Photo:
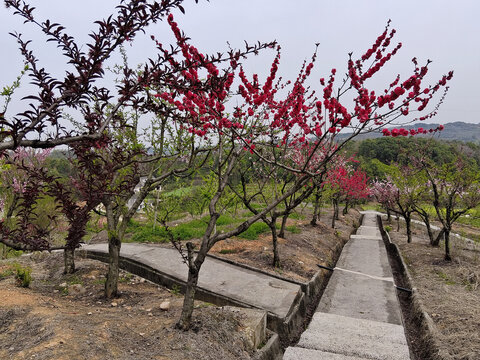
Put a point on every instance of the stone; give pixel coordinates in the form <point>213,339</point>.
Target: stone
<point>165,305</point>
<point>63,285</point>
<point>76,289</point>
<point>114,304</point>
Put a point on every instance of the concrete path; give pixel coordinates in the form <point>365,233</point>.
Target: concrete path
<point>358,316</point>
<point>235,284</point>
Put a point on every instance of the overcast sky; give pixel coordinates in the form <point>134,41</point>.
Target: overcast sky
<point>444,31</point>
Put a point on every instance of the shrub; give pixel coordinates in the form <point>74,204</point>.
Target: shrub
<point>23,275</point>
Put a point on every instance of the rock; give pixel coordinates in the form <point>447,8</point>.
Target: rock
<point>63,285</point>
<point>89,313</point>
<point>114,304</point>
<point>76,289</point>
<point>165,305</point>
<point>148,310</point>
<point>142,280</point>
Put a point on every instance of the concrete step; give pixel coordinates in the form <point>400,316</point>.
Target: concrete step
<point>360,297</point>
<point>357,338</point>
<point>367,257</point>
<point>298,353</point>
<point>368,231</point>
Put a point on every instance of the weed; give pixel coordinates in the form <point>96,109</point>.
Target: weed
<point>126,278</point>
<point>23,275</point>
<point>388,228</point>
<point>176,289</point>
<point>445,277</point>
<point>74,279</point>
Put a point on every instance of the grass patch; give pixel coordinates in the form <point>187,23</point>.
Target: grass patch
<point>445,278</point>
<point>293,229</point>
<point>253,231</point>
<point>296,216</point>
<point>185,231</point>
<point>9,271</point>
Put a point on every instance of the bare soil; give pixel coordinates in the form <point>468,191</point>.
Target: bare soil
<point>299,252</point>
<point>449,290</point>
<point>48,321</point>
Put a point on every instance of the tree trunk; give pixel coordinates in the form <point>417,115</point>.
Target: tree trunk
<point>69,260</point>
<point>111,283</point>
<point>334,215</point>
<point>426,221</point>
<point>316,211</point>
<point>408,224</point>
<point>193,272</point>
<point>276,256</point>
<point>439,237</point>
<point>188,301</point>
<point>447,245</point>
<point>345,209</point>
<point>398,223</point>
<point>389,215</point>
<point>281,234</point>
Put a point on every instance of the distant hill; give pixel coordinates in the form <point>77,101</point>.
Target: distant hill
<point>457,130</point>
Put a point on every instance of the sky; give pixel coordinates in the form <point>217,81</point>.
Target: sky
<point>443,31</point>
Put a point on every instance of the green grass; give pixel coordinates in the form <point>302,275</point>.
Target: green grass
<point>293,229</point>
<point>9,271</point>
<point>296,216</point>
<point>182,191</point>
<point>445,278</point>
<point>184,231</point>
<point>254,230</point>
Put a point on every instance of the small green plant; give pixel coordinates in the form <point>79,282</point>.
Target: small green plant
<point>100,281</point>
<point>23,275</point>
<point>388,228</point>
<point>74,279</point>
<point>126,278</point>
<point>176,289</point>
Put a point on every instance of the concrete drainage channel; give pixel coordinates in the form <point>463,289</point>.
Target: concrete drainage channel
<point>420,326</point>
<point>284,328</point>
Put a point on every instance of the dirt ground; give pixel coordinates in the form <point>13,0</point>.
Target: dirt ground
<point>450,291</point>
<point>299,253</point>
<point>49,321</point>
